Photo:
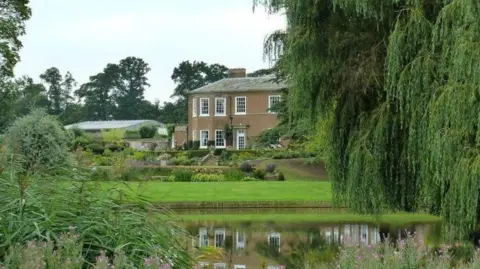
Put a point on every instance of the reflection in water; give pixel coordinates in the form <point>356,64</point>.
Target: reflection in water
<point>273,246</point>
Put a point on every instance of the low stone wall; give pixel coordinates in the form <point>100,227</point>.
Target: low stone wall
<point>148,144</point>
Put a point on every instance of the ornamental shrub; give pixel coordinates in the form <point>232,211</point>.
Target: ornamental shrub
<point>38,143</point>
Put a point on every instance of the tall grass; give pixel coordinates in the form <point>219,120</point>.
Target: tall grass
<point>51,207</point>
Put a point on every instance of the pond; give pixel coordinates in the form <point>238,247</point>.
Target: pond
<point>275,244</point>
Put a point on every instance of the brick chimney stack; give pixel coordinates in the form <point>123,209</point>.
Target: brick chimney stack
<point>237,73</point>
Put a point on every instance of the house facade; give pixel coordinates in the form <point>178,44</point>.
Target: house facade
<point>232,111</point>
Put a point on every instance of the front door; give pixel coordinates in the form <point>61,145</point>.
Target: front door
<point>241,140</point>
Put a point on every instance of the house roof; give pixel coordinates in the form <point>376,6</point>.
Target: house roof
<point>112,124</point>
<point>265,83</point>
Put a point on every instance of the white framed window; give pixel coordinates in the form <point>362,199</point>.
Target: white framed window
<point>220,265</point>
<point>219,238</point>
<point>364,234</point>
<point>274,240</point>
<point>203,138</point>
<point>220,106</point>
<point>194,107</point>
<point>203,237</point>
<point>240,240</point>
<point>194,135</point>
<point>273,100</point>
<point>204,107</point>
<point>240,105</point>
<point>237,266</point>
<point>220,138</point>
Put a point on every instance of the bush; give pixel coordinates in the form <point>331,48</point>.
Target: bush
<point>208,178</point>
<point>148,131</point>
<point>270,168</point>
<point>182,175</point>
<point>38,143</point>
<point>246,167</point>
<point>218,152</point>
<point>281,176</point>
<point>132,134</point>
<point>233,175</point>
<point>259,173</point>
<point>95,148</point>
<point>81,141</point>
<point>211,143</point>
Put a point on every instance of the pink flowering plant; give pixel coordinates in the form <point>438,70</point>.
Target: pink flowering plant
<point>405,253</point>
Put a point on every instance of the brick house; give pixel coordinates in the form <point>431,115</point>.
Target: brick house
<point>232,111</point>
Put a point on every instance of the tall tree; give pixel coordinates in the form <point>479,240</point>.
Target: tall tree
<point>8,97</point>
<point>59,89</point>
<point>97,94</point>
<point>401,79</point>
<point>31,95</point>
<point>130,87</point>
<point>13,14</point>
<point>192,75</point>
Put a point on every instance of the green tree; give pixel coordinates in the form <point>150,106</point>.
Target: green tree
<point>192,75</point>
<point>59,89</point>
<point>31,95</point>
<point>130,87</point>
<point>8,97</point>
<point>14,13</point>
<point>97,94</point>
<point>148,131</point>
<point>401,79</point>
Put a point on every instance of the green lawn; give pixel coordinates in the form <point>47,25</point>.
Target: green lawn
<point>229,191</point>
<point>330,217</point>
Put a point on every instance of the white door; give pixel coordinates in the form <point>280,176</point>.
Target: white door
<point>241,140</point>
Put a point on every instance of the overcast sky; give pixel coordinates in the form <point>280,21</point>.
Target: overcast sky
<point>82,36</point>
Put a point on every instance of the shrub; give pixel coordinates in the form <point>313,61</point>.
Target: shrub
<point>81,141</point>
<point>102,160</point>
<point>147,131</point>
<point>246,167</point>
<point>281,176</point>
<point>218,152</point>
<point>182,175</point>
<point>259,173</point>
<point>38,143</point>
<point>270,168</point>
<point>211,143</point>
<point>129,134</point>
<point>233,175</point>
<point>208,177</point>
<point>77,132</point>
<point>243,156</point>
<point>95,148</point>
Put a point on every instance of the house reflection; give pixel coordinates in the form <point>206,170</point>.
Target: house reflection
<point>245,248</point>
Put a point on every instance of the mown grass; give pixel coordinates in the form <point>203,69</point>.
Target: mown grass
<point>325,218</point>
<point>155,191</point>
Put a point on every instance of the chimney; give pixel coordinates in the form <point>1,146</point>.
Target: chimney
<point>237,73</point>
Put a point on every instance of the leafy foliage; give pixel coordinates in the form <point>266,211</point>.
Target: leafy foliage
<point>148,131</point>
<point>14,13</point>
<point>37,143</point>
<point>400,81</point>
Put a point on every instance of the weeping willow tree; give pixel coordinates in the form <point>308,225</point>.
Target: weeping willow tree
<point>402,80</point>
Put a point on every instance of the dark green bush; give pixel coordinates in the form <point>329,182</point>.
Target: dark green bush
<point>95,148</point>
<point>147,131</point>
<point>246,167</point>
<point>211,143</point>
<point>218,152</point>
<point>81,141</point>
<point>182,175</point>
<point>281,176</point>
<point>259,173</point>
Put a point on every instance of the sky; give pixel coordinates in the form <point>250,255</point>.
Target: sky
<point>82,36</point>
